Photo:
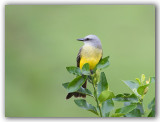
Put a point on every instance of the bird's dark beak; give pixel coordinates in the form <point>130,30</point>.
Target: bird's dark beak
<point>82,39</point>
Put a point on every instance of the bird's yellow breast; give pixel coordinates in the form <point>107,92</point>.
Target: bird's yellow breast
<point>90,54</point>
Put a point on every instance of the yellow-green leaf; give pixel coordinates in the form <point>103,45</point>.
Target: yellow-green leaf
<point>142,89</point>
<point>105,95</point>
<point>142,78</point>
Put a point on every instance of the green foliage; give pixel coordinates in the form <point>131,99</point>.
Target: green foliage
<point>134,113</point>
<point>126,109</point>
<point>142,89</point>
<point>126,98</point>
<point>96,76</point>
<point>80,90</point>
<point>65,85</point>
<point>103,84</point>
<point>76,83</point>
<point>151,106</point>
<point>74,70</point>
<point>117,115</point>
<point>105,95</point>
<point>103,63</point>
<point>104,98</point>
<point>85,69</point>
<point>140,106</point>
<point>137,79</point>
<point>132,85</point>
<point>152,113</point>
<point>83,104</point>
<point>107,107</point>
<point>142,78</point>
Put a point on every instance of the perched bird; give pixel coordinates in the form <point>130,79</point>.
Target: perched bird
<point>91,53</point>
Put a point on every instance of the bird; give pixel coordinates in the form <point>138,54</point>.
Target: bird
<point>91,53</point>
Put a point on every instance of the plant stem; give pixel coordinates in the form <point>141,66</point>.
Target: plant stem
<point>140,105</point>
<point>97,100</point>
<point>95,94</point>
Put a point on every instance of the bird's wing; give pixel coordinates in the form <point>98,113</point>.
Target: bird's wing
<point>79,57</point>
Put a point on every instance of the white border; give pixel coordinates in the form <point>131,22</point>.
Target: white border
<point>2,57</point>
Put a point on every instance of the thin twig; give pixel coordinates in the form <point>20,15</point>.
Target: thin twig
<point>95,93</point>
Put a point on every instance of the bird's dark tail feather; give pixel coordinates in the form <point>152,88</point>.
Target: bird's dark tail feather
<point>76,94</point>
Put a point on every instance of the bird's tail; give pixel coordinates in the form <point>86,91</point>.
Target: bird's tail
<point>76,94</point>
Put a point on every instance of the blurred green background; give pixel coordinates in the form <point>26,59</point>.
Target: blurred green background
<point>40,42</point>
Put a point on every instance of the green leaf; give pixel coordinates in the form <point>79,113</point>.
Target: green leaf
<point>126,109</point>
<point>80,90</point>
<point>74,70</point>
<point>103,63</point>
<point>85,69</point>
<point>134,113</point>
<point>83,104</point>
<point>117,115</point>
<point>126,98</point>
<point>76,83</point>
<point>133,86</point>
<point>152,113</point>
<point>151,104</point>
<point>139,82</point>
<point>107,106</point>
<point>127,103</point>
<point>152,79</point>
<point>85,91</point>
<point>142,89</point>
<point>140,107</point>
<point>103,84</point>
<point>65,85</point>
<point>105,95</point>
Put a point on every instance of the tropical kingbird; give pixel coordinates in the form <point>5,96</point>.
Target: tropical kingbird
<point>91,53</point>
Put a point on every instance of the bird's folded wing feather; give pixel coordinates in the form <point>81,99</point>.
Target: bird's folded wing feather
<point>79,57</point>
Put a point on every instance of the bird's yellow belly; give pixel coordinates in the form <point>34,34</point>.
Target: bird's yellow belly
<point>90,55</point>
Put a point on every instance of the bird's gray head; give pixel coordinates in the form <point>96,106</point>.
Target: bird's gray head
<point>92,40</point>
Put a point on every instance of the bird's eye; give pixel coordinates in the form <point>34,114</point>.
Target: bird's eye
<point>87,38</point>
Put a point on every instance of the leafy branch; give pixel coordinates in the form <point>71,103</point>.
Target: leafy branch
<point>104,98</point>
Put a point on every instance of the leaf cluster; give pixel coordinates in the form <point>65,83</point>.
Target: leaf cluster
<point>133,103</point>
